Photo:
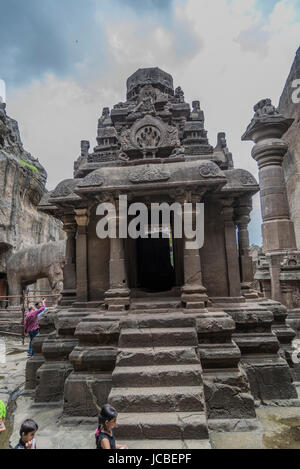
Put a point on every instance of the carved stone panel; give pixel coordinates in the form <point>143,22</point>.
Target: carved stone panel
<point>149,173</point>
<point>209,170</point>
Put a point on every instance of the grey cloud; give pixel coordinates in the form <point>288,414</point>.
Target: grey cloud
<point>38,36</point>
<point>147,5</point>
<point>52,36</point>
<point>254,40</point>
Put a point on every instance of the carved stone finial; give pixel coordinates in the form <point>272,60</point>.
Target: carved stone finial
<point>179,94</point>
<point>221,141</point>
<point>105,118</point>
<point>105,112</point>
<point>196,106</point>
<point>85,146</point>
<point>197,114</point>
<point>222,147</point>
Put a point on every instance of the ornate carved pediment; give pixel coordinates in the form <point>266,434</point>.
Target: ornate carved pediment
<point>209,170</point>
<point>148,134</point>
<point>93,179</point>
<point>149,173</point>
<point>64,188</point>
<point>248,180</point>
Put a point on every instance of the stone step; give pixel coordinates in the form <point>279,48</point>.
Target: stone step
<point>7,321</point>
<point>157,356</point>
<point>154,311</point>
<point>9,316</point>
<point>168,399</point>
<point>66,302</point>
<point>140,426</point>
<point>285,334</point>
<point>86,310</point>
<point>156,337</point>
<point>167,444</point>
<point>155,304</point>
<point>148,376</point>
<point>253,343</point>
<point>170,320</point>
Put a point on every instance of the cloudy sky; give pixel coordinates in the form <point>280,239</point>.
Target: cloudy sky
<point>63,60</point>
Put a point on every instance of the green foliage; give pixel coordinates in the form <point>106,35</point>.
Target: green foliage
<point>30,166</point>
<point>2,410</point>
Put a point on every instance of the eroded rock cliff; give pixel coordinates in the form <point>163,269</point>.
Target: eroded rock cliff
<point>22,185</point>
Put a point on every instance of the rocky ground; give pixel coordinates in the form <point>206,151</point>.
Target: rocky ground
<point>280,426</point>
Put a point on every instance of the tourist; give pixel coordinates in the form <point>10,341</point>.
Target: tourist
<point>2,416</point>
<point>31,325</point>
<point>27,433</point>
<point>104,433</point>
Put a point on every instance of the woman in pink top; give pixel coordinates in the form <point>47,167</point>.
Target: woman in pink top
<point>31,325</point>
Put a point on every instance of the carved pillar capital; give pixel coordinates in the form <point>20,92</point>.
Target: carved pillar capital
<point>69,224</point>
<point>227,210</point>
<point>82,217</point>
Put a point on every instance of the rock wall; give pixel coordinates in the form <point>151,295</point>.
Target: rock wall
<point>291,164</point>
<point>22,185</point>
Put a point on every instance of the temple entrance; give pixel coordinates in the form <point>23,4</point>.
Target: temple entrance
<point>155,264</point>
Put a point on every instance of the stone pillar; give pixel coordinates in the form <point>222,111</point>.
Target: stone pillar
<point>70,228</point>
<point>194,294</point>
<point>233,269</point>
<point>82,220</point>
<point>242,214</point>
<point>117,298</point>
<point>266,130</point>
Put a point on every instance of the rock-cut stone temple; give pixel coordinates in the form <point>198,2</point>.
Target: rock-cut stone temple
<point>175,339</point>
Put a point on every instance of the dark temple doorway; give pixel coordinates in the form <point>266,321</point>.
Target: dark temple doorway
<point>155,264</point>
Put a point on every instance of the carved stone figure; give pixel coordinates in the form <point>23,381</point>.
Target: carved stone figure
<point>265,108</point>
<point>179,95</point>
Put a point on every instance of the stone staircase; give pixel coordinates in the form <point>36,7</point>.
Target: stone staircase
<point>158,383</point>
<point>11,321</point>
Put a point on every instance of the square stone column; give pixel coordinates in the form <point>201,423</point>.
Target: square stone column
<point>194,294</point>
<point>232,257</point>
<point>242,220</point>
<point>70,227</point>
<point>117,298</point>
<point>82,220</point>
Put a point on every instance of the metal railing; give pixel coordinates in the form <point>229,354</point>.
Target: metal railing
<point>25,301</point>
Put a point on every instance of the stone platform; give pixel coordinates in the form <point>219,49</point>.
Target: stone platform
<point>277,426</point>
